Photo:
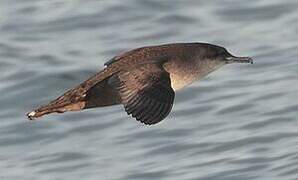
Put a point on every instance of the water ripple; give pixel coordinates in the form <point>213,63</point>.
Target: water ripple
<point>237,123</point>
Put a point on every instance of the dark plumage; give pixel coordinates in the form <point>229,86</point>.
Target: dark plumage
<point>144,80</point>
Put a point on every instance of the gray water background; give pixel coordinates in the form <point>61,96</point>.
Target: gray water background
<point>238,123</point>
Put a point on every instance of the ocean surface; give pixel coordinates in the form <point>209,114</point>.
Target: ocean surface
<point>239,123</point>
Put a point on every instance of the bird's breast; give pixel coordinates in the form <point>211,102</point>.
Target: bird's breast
<point>181,75</point>
<point>185,73</point>
<point>179,82</point>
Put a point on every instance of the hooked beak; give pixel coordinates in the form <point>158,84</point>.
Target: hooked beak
<point>234,59</point>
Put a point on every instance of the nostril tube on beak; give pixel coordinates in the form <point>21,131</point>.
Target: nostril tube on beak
<point>239,60</point>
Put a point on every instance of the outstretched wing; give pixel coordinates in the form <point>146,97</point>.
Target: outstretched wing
<point>78,98</point>
<point>95,92</point>
<point>145,92</point>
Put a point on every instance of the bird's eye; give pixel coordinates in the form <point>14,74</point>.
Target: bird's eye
<point>221,52</point>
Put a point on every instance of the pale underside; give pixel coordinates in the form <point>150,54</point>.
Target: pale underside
<point>181,76</point>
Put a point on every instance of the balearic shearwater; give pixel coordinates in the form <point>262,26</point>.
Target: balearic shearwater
<point>144,80</point>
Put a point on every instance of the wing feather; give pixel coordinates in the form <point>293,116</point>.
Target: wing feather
<point>145,92</point>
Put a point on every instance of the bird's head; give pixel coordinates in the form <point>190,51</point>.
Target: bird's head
<point>220,55</point>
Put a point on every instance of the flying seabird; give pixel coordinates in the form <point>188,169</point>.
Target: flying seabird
<point>144,80</point>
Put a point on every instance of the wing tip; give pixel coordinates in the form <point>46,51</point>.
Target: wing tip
<point>31,115</point>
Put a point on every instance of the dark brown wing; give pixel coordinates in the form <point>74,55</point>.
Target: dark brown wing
<point>145,92</point>
<point>79,97</point>
<point>87,94</point>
